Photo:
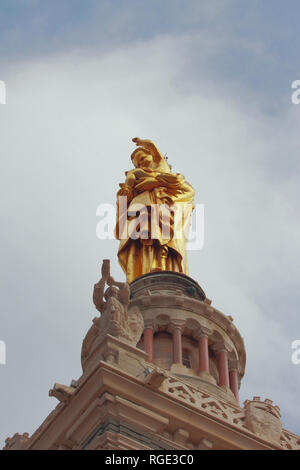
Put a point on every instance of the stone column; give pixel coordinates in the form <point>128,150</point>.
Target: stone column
<point>177,345</point>
<point>148,342</point>
<point>203,354</point>
<point>234,379</point>
<point>201,334</point>
<point>222,356</point>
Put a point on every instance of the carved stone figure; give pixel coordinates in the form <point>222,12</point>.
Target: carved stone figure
<point>113,304</point>
<point>61,392</point>
<point>135,324</point>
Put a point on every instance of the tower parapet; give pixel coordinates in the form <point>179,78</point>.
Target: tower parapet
<point>263,418</point>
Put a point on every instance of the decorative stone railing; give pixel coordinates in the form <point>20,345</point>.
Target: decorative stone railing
<point>216,407</point>
<point>205,401</point>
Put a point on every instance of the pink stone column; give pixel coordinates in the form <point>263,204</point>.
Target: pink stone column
<point>234,383</point>
<point>223,368</point>
<point>203,354</point>
<point>148,342</point>
<point>177,346</point>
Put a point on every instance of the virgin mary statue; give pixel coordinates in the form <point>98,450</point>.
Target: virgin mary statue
<point>153,215</point>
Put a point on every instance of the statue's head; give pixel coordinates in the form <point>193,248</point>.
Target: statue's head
<point>141,158</point>
<point>111,292</point>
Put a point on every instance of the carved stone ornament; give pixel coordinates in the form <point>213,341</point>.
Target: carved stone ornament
<point>116,318</point>
<point>263,418</point>
<point>135,324</point>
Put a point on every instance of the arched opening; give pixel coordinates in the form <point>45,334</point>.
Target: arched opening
<point>162,346</point>
<point>186,359</point>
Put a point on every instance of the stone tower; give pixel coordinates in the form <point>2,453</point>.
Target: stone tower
<point>161,370</point>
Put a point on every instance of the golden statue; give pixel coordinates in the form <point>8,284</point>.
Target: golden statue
<point>153,215</point>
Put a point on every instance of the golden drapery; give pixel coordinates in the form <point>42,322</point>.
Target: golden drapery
<point>153,215</point>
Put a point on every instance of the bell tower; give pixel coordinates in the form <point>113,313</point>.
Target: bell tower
<point>167,378</point>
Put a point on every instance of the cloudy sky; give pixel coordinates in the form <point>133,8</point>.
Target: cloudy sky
<point>210,83</point>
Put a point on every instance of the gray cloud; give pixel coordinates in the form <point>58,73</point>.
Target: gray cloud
<point>65,145</point>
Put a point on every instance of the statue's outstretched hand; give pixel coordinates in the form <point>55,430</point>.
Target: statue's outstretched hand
<point>137,141</point>
<point>146,143</point>
<point>150,146</point>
